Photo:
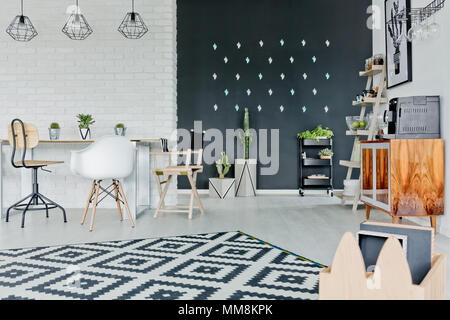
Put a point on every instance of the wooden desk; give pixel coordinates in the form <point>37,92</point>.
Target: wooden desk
<point>136,186</point>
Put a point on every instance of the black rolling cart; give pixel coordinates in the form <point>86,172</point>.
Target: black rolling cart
<point>313,165</point>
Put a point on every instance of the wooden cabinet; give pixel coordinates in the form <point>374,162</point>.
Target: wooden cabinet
<point>403,177</point>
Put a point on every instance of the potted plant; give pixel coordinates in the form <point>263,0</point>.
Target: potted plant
<point>120,129</point>
<point>246,138</point>
<point>223,166</point>
<point>84,123</point>
<point>316,134</point>
<point>54,131</point>
<point>326,153</point>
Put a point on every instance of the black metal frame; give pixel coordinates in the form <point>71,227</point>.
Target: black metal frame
<point>314,163</point>
<point>33,198</point>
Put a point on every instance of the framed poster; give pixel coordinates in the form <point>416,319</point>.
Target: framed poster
<point>398,48</point>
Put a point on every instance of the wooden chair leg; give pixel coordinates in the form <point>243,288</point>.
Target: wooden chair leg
<point>116,191</point>
<point>91,227</point>
<point>124,199</point>
<point>83,217</point>
<point>367,212</point>
<point>158,184</point>
<point>191,201</point>
<point>162,196</point>
<point>433,223</point>
<point>197,196</point>
<point>395,220</point>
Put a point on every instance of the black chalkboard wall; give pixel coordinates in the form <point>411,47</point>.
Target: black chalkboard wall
<point>282,25</point>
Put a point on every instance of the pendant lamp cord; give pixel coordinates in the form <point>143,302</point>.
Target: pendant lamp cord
<point>21,7</point>
<point>132,5</point>
<point>78,8</point>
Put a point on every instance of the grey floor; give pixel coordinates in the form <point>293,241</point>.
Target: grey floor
<point>310,226</point>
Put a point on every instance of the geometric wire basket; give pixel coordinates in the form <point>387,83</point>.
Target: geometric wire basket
<point>21,29</point>
<point>76,27</point>
<point>133,26</point>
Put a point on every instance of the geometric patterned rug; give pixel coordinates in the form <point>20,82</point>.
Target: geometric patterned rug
<point>227,265</point>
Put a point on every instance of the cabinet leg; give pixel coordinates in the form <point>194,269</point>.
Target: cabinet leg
<point>367,212</point>
<point>395,220</point>
<point>433,223</point>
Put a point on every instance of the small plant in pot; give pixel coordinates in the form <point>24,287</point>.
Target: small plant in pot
<point>84,123</point>
<point>318,133</point>
<point>326,153</point>
<point>54,131</point>
<point>223,166</point>
<point>120,129</point>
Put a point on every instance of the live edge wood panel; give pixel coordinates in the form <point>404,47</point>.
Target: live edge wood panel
<point>416,176</point>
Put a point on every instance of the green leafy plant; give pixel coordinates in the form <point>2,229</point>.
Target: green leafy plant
<point>54,125</point>
<point>222,165</point>
<point>326,153</point>
<point>316,133</point>
<point>120,126</point>
<point>85,120</point>
<point>246,138</point>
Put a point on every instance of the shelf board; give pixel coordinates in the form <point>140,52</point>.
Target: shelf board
<point>369,101</point>
<point>316,182</point>
<point>375,70</point>
<point>313,162</point>
<point>357,133</point>
<point>349,164</point>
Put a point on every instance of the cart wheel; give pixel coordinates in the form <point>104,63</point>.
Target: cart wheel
<point>332,194</point>
<point>302,193</point>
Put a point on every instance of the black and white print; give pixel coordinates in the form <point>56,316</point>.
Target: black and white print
<point>398,48</point>
<point>227,265</point>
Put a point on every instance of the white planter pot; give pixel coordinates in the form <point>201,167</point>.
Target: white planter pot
<point>245,175</point>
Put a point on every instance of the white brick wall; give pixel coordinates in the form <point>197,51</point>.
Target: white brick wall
<point>53,78</point>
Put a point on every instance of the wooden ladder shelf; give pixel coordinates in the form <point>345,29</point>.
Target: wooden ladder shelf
<point>354,162</point>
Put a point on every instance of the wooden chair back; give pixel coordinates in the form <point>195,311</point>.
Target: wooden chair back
<point>22,135</point>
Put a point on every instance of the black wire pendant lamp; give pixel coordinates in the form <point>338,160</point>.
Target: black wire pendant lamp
<point>133,26</point>
<point>21,28</point>
<point>77,27</point>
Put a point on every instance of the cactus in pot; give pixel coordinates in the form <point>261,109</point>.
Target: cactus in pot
<point>120,129</point>
<point>54,131</point>
<point>246,138</point>
<point>223,166</point>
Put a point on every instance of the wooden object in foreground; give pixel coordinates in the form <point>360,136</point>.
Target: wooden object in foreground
<point>347,278</point>
<point>403,177</point>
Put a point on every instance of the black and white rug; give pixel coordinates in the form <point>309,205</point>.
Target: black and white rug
<point>228,265</point>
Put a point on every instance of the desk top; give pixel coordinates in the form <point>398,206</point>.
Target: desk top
<point>90,141</point>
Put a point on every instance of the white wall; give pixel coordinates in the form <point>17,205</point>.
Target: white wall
<point>430,68</point>
<point>53,78</point>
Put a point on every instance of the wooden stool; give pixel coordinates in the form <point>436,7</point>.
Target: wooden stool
<point>190,171</point>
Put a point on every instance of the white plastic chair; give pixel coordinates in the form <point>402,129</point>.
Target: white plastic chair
<point>110,157</point>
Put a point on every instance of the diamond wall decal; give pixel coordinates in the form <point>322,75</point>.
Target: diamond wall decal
<point>238,76</point>
<point>225,60</point>
<point>314,59</point>
<point>291,59</point>
<point>314,91</point>
<point>236,107</point>
<point>292,91</point>
<point>305,76</point>
<point>303,43</point>
<point>327,42</point>
<point>326,108</point>
<point>270,60</point>
<point>214,47</point>
<point>238,45</point>
<point>281,108</point>
<point>282,76</point>
<point>270,92</point>
<point>261,43</point>
<point>304,108</point>
<point>214,76</point>
<point>260,76</point>
<point>282,42</point>
<point>327,75</point>
<point>249,92</point>
<point>226,92</point>
<point>247,59</point>
<point>215,107</point>
<point>259,108</point>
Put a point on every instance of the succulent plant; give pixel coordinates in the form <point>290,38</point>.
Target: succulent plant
<point>326,152</point>
<point>120,125</point>
<point>246,138</point>
<point>223,166</point>
<point>54,125</point>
